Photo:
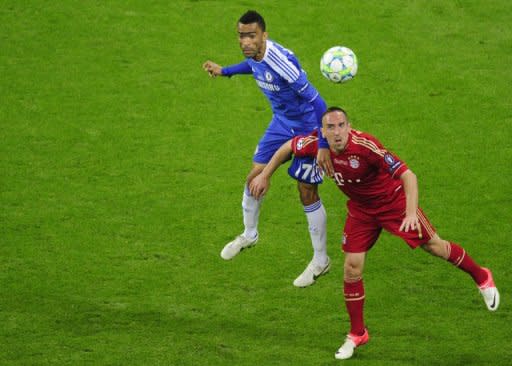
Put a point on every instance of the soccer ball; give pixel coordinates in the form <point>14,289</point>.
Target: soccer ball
<point>338,64</point>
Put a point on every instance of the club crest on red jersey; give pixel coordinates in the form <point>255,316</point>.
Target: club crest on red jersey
<point>353,161</point>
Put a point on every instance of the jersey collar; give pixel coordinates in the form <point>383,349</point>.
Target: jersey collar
<point>268,44</point>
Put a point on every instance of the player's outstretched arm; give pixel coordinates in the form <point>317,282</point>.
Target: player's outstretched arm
<point>261,183</point>
<point>217,70</point>
<point>212,68</point>
<point>410,184</point>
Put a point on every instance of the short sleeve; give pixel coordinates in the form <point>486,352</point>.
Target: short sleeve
<point>379,156</point>
<point>305,145</point>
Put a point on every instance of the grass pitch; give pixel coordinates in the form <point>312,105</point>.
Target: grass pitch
<point>122,166</point>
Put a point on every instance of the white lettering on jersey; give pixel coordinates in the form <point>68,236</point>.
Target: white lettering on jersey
<point>338,177</point>
<point>268,86</point>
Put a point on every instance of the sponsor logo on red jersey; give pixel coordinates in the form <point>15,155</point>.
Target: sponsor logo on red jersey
<point>341,162</point>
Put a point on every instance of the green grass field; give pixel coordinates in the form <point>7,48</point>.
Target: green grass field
<point>122,166</point>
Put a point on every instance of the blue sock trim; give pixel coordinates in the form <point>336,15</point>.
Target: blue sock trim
<point>313,207</point>
<point>246,191</point>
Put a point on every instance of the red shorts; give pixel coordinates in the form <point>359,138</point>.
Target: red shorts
<point>363,227</point>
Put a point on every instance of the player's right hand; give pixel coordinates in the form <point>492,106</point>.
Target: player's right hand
<point>411,222</point>
<point>259,186</point>
<point>323,159</point>
<point>212,68</point>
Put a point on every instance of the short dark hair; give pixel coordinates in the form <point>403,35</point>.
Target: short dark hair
<point>335,109</point>
<point>252,16</point>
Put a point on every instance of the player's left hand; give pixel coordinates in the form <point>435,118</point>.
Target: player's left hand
<point>259,186</point>
<point>411,222</point>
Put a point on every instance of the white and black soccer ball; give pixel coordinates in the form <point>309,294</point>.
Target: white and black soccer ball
<point>338,64</point>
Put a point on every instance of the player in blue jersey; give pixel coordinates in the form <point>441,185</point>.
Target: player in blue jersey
<point>297,109</point>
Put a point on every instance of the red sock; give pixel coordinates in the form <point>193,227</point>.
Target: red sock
<point>354,300</point>
<point>459,258</point>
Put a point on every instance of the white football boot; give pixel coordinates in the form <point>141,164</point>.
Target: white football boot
<point>234,247</point>
<point>311,273</point>
<point>490,292</point>
<point>351,343</point>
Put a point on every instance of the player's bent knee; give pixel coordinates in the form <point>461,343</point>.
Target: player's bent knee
<point>353,266</point>
<point>352,272</point>
<point>436,246</point>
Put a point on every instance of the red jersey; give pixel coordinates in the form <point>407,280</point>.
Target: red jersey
<point>365,171</point>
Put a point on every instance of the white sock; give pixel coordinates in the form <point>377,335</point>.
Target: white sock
<point>317,220</point>
<point>251,211</point>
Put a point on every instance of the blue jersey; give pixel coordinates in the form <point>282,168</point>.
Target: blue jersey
<point>296,105</point>
<point>282,80</point>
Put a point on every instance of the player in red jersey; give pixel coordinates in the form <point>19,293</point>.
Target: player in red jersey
<point>383,194</point>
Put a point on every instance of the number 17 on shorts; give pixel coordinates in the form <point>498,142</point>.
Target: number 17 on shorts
<point>305,170</point>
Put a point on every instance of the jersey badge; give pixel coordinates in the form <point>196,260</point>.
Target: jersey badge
<point>268,76</point>
<point>392,162</point>
<point>389,159</point>
<point>353,161</point>
<point>304,141</point>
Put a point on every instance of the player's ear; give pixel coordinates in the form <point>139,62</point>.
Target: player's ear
<point>265,36</point>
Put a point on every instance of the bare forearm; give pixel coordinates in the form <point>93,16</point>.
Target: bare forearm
<point>410,184</point>
<point>280,156</point>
